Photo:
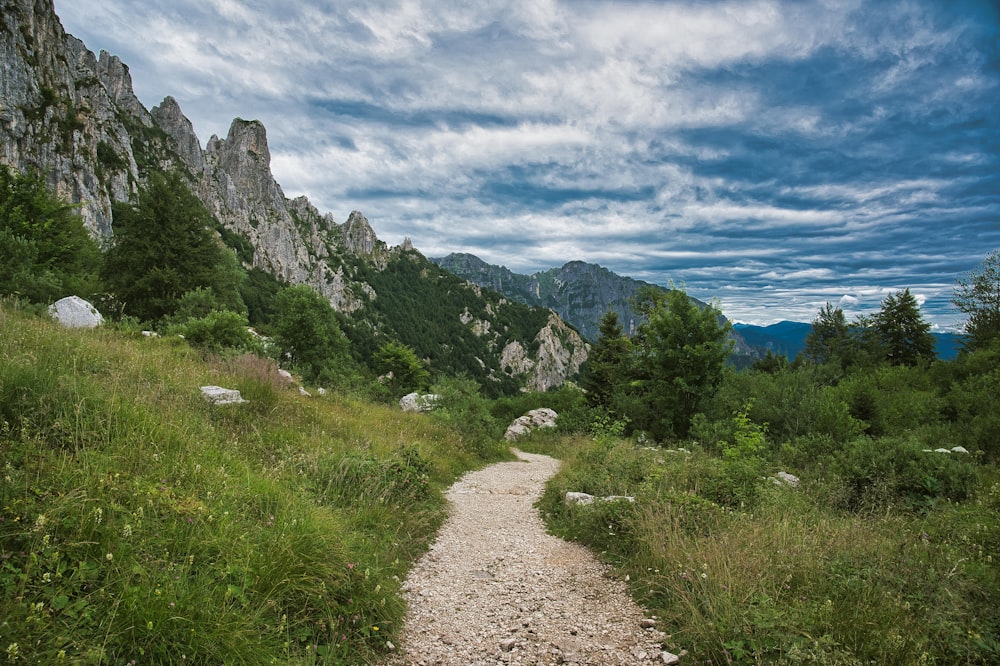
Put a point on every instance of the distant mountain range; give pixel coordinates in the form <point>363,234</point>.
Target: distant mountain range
<point>789,338</point>
<point>580,293</point>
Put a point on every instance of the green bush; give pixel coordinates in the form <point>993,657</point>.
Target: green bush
<point>218,331</point>
<point>461,407</point>
<point>887,471</point>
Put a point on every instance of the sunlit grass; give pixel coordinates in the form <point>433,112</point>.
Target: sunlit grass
<point>138,522</point>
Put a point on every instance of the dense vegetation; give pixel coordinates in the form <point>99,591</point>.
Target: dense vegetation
<point>139,523</point>
<point>420,304</point>
<point>45,253</point>
<point>885,552</point>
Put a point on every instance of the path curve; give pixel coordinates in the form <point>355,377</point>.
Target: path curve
<point>495,588</point>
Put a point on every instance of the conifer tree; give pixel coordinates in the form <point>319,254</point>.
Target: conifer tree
<point>607,364</point>
<point>829,341</point>
<point>904,336</point>
<point>164,247</point>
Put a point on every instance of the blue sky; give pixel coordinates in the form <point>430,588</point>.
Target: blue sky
<point>772,155</point>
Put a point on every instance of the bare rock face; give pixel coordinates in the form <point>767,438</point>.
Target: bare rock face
<point>63,112</point>
<point>561,352</point>
<point>168,116</point>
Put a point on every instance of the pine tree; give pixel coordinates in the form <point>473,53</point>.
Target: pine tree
<point>607,364</point>
<point>163,248</point>
<point>829,341</point>
<point>904,335</point>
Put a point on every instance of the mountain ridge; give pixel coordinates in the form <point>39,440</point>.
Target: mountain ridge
<point>73,116</point>
<point>578,291</point>
<point>789,338</point>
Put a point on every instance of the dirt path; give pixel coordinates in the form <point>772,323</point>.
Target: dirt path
<point>496,589</point>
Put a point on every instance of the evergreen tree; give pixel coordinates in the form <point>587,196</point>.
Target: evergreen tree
<point>607,364</point>
<point>163,248</point>
<point>45,251</point>
<point>978,296</point>
<point>829,341</point>
<point>681,353</point>
<point>904,335</point>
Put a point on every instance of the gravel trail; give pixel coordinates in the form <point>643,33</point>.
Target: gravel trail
<point>496,589</point>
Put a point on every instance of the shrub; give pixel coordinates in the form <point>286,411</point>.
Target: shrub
<point>898,470</point>
<point>218,331</point>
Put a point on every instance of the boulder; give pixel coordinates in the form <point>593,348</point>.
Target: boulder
<point>74,312</point>
<point>585,498</point>
<point>786,479</point>
<point>536,418</point>
<point>579,498</point>
<point>415,402</point>
<point>222,396</point>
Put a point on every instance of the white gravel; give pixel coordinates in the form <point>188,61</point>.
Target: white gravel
<point>496,589</point>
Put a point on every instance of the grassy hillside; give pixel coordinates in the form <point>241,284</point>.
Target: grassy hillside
<point>887,551</point>
<point>139,524</point>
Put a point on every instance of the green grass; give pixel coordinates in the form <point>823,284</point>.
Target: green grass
<point>139,524</point>
<point>790,579</point>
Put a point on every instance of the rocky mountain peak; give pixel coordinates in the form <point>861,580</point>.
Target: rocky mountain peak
<point>359,237</point>
<point>117,80</point>
<point>245,157</point>
<point>171,119</point>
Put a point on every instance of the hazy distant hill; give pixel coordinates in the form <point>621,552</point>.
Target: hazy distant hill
<point>789,338</point>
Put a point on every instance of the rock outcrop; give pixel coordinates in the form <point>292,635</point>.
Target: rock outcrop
<point>533,420</point>
<point>218,395</point>
<point>561,352</point>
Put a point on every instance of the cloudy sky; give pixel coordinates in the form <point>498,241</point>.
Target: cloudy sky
<point>773,155</point>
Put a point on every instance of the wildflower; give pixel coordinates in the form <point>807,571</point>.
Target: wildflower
<point>127,531</point>
<point>109,557</point>
<point>704,575</point>
<point>98,515</point>
<point>12,651</point>
<point>375,628</point>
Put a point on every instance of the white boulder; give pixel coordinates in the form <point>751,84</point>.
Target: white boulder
<point>536,418</point>
<point>222,396</point>
<point>74,312</point>
<point>415,402</point>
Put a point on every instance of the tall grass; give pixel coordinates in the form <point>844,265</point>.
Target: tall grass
<point>789,579</point>
<point>139,524</point>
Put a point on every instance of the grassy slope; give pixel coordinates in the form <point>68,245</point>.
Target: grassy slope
<point>137,522</point>
<point>793,581</point>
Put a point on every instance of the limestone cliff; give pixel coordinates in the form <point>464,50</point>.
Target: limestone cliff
<point>75,117</point>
